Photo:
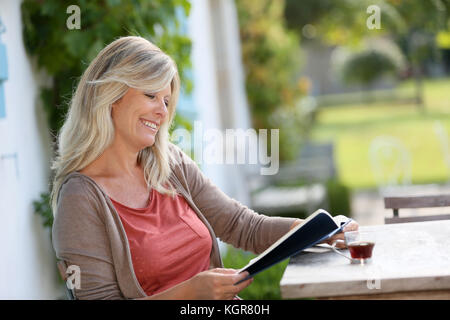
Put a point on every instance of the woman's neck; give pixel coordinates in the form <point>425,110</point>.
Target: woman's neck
<point>117,160</point>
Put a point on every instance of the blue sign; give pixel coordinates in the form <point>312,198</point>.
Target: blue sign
<point>3,73</point>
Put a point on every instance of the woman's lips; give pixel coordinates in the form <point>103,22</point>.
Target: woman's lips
<point>150,124</point>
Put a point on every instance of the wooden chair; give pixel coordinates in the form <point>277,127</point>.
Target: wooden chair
<point>403,202</point>
<point>62,268</point>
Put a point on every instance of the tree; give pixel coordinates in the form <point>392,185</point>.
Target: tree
<point>271,58</point>
<point>366,67</point>
<point>412,24</point>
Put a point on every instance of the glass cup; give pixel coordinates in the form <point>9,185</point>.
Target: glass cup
<point>360,245</point>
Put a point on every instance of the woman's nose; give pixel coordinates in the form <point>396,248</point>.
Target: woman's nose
<point>162,108</point>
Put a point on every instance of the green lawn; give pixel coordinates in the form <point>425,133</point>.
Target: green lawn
<point>354,127</point>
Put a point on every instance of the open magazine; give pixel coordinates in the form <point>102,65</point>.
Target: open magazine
<point>318,227</point>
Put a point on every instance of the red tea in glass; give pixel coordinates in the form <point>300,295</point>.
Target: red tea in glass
<point>360,244</point>
<point>361,249</point>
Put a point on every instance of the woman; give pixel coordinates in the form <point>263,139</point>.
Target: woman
<point>132,211</point>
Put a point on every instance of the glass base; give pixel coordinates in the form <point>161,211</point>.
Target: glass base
<point>361,261</point>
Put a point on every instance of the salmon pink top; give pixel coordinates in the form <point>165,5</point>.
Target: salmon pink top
<point>168,242</point>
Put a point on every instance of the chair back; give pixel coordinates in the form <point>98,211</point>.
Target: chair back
<point>403,202</point>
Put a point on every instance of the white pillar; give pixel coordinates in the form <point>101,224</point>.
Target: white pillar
<point>219,88</point>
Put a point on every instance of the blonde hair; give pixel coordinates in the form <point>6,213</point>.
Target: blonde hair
<point>128,62</point>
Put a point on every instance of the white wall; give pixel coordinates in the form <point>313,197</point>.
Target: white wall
<point>27,269</point>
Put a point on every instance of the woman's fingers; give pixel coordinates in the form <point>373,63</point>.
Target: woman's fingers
<point>225,270</point>
<point>233,289</point>
<point>240,276</point>
<point>352,226</point>
<point>244,284</point>
<point>229,278</point>
<point>219,283</point>
<point>339,244</point>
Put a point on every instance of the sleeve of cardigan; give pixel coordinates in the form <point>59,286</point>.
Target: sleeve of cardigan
<point>232,221</point>
<point>79,237</point>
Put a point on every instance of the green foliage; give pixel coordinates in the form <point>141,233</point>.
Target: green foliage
<point>339,198</point>
<point>42,207</point>
<point>266,285</point>
<point>366,67</point>
<point>64,54</point>
<point>344,21</point>
<point>271,60</point>
<point>335,22</point>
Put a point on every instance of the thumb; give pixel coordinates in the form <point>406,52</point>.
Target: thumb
<point>240,277</point>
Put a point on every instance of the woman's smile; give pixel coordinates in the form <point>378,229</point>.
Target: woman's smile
<point>152,126</point>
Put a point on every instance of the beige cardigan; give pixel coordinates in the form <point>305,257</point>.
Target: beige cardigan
<point>87,231</point>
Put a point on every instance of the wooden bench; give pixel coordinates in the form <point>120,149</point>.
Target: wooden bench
<point>410,202</point>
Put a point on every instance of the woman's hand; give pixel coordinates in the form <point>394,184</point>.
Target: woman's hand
<point>296,223</point>
<point>352,226</point>
<point>218,284</point>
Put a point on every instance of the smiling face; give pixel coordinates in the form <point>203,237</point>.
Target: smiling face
<point>138,115</point>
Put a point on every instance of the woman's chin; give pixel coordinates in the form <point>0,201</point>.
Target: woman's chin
<point>147,143</point>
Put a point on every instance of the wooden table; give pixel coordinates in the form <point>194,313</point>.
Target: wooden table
<point>410,261</point>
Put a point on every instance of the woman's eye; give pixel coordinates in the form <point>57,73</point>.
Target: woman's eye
<point>152,96</point>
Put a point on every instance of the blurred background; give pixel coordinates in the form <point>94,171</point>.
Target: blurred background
<point>359,90</point>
